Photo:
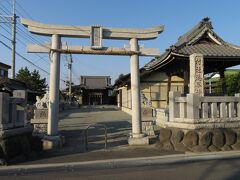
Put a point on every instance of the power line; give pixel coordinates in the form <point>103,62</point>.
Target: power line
<point>23,43</point>
<point>27,60</point>
<point>21,7</point>
<point>5,30</point>
<point>5,10</point>
<point>26,36</point>
<point>5,37</point>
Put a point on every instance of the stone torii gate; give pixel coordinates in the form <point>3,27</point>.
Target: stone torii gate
<point>96,34</point>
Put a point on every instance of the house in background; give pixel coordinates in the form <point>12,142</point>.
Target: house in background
<point>96,90</point>
<point>4,70</point>
<point>154,87</point>
<point>7,84</point>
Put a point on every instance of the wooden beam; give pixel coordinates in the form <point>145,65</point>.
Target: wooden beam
<point>35,48</point>
<point>169,86</point>
<point>85,31</point>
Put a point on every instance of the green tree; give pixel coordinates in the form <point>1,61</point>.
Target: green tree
<point>32,80</point>
<point>68,82</point>
<point>119,78</point>
<point>233,84</point>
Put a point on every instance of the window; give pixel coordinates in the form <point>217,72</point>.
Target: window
<point>1,72</point>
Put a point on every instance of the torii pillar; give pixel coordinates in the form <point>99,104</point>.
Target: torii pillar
<point>136,138</point>
<point>54,87</point>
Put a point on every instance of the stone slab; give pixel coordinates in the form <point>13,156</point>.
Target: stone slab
<point>15,131</point>
<point>41,114</point>
<point>196,63</point>
<point>6,126</point>
<point>40,130</point>
<point>199,125</point>
<point>39,121</point>
<point>20,94</point>
<point>147,128</point>
<point>147,112</point>
<point>138,141</point>
<point>53,142</point>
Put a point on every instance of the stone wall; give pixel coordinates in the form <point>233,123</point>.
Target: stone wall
<point>202,140</point>
<point>16,138</point>
<point>19,145</point>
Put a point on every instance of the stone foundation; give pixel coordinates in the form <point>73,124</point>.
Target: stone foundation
<point>53,142</point>
<point>141,141</point>
<point>17,143</point>
<point>202,140</point>
<point>147,128</point>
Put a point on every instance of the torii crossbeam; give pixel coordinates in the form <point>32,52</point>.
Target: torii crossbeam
<point>96,35</point>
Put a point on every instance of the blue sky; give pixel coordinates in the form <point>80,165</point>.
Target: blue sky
<point>178,16</point>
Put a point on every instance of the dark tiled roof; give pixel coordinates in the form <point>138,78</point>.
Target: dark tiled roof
<point>209,50</point>
<point>200,39</point>
<point>156,61</point>
<point>11,84</point>
<point>5,65</point>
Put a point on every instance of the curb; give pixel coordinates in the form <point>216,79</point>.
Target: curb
<point>116,163</point>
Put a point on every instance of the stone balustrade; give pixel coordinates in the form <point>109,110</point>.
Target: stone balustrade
<point>13,110</point>
<point>196,112</point>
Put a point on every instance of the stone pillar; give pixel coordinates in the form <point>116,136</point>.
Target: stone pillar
<point>196,63</point>
<point>193,106</point>
<point>21,111</point>
<point>54,87</point>
<point>173,107</point>
<point>222,80</point>
<point>137,138</point>
<point>5,120</point>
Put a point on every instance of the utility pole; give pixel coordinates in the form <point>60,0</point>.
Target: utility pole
<point>13,39</point>
<point>70,75</point>
<point>13,20</point>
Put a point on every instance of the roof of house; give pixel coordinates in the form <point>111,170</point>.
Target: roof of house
<point>11,84</point>
<point>5,65</point>
<point>200,39</point>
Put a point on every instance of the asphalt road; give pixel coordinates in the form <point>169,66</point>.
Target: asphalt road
<point>215,169</point>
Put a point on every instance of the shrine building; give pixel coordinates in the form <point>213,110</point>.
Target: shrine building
<point>171,72</point>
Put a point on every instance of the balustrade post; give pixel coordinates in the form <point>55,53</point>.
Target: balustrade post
<point>214,110</point>
<point>173,106</point>
<point>193,101</point>
<point>231,109</point>
<point>205,109</point>
<point>238,104</point>
<point>223,110</point>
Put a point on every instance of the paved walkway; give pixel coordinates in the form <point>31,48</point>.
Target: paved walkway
<point>73,124</point>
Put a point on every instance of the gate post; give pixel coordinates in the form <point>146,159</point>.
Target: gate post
<point>137,138</point>
<point>53,139</point>
<point>54,87</point>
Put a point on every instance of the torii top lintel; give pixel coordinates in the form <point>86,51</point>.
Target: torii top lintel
<point>85,31</point>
